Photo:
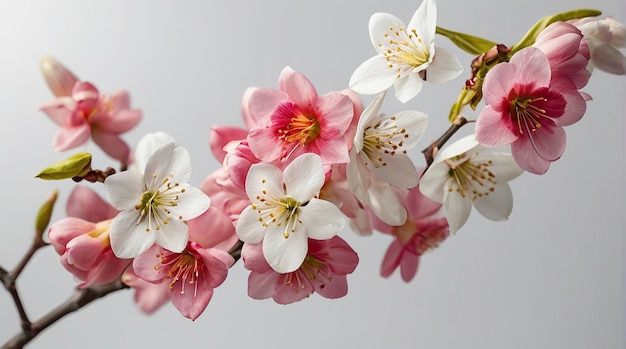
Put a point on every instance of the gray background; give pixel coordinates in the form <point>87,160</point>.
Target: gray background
<point>550,277</point>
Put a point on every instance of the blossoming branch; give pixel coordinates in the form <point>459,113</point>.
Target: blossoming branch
<point>309,164</point>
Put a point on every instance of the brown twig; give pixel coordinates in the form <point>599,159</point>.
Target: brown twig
<point>81,298</point>
<point>429,153</point>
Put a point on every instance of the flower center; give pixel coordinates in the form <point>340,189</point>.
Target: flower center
<point>471,178</point>
<point>527,114</point>
<point>383,138</point>
<point>184,267</point>
<point>310,270</point>
<point>406,50</point>
<point>278,211</point>
<point>154,205</point>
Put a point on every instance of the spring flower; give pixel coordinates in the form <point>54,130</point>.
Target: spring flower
<point>466,173</point>
<point>155,200</point>
<point>422,232</point>
<point>294,120</point>
<point>526,110</point>
<point>88,113</point>
<point>84,245</point>
<point>605,38</point>
<point>406,57</point>
<point>285,211</point>
<point>323,271</point>
<point>381,144</point>
<point>191,275</point>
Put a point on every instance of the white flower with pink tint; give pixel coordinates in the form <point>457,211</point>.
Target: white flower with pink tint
<point>155,199</point>
<point>467,174</point>
<point>406,55</point>
<point>285,211</point>
<point>294,120</point>
<point>606,39</point>
<point>323,271</point>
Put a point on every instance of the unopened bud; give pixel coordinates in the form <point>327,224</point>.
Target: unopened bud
<point>76,165</point>
<point>59,79</point>
<point>44,214</point>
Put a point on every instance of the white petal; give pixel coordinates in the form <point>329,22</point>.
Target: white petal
<point>304,177</point>
<point>322,219</point>
<point>379,25</point>
<point>386,204</point>
<point>192,203</point>
<point>457,208</point>
<point>249,228</point>
<point>369,117</point>
<point>159,167</point>
<point>181,165</point>
<point>173,236</point>
<point>372,76</point>
<point>124,189</point>
<point>444,67</point>
<point>424,21</point>
<point>432,182</point>
<point>496,206</point>
<point>415,123</point>
<point>263,180</point>
<point>503,165</point>
<point>399,171</point>
<point>148,145</point>
<point>466,144</point>
<point>285,255</point>
<point>129,239</point>
<point>408,87</point>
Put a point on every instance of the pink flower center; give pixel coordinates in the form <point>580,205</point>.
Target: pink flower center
<point>311,270</point>
<point>302,129</point>
<point>184,267</point>
<point>420,238</point>
<point>526,113</point>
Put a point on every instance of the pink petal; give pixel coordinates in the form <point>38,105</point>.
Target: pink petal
<point>262,104</point>
<point>261,285</point>
<point>392,259</point>
<point>71,137</point>
<point>112,145</point>
<point>332,289</point>
<point>300,89</point>
<point>87,204</point>
<point>117,122</point>
<point>222,135</point>
<point>408,266</point>
<point>494,128</point>
<point>66,229</point>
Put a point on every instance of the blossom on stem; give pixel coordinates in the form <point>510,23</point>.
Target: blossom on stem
<point>423,231</point>
<point>605,38</point>
<point>82,239</point>
<point>323,271</point>
<point>528,110</point>
<point>381,144</point>
<point>406,55</point>
<point>466,173</point>
<point>88,113</point>
<point>294,120</point>
<point>285,211</point>
<point>191,275</point>
<point>155,199</point>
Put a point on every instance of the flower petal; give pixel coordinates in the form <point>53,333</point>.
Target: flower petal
<point>457,207</point>
<point>249,228</point>
<point>299,88</point>
<point>372,76</point>
<point>444,67</point>
<point>285,255</point>
<point>498,205</point>
<point>322,219</point>
<point>124,189</point>
<point>304,177</point>
<point>174,236</point>
<point>129,239</point>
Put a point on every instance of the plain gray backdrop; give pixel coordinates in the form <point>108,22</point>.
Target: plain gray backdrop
<point>552,276</point>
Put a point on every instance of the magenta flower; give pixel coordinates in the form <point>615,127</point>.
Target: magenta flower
<point>83,245</point>
<point>323,271</point>
<point>525,109</point>
<point>88,113</point>
<point>423,231</point>
<point>294,120</point>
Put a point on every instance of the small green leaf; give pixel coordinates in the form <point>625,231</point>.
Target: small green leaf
<point>76,165</point>
<point>468,43</point>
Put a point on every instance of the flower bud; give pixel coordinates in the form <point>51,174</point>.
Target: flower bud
<point>59,79</point>
<point>44,214</point>
<point>76,165</point>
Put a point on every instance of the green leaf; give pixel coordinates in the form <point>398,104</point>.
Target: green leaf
<point>469,43</point>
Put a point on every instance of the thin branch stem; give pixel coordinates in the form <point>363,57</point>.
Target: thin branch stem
<point>430,152</point>
<point>81,298</point>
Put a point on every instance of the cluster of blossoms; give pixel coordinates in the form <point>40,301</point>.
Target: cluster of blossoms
<point>307,165</point>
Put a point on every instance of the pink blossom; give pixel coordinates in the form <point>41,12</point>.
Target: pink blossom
<point>323,271</point>
<point>88,113</point>
<point>527,110</point>
<point>221,136</point>
<point>187,278</point>
<point>294,120</point>
<point>423,231</point>
<point>567,53</point>
<point>84,246</point>
<point>225,196</point>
